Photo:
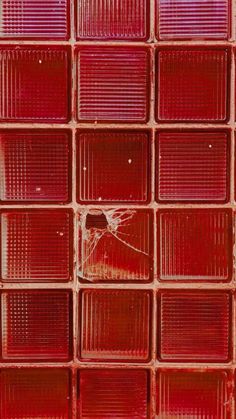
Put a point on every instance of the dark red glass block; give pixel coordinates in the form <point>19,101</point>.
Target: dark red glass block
<point>116,245</point>
<point>36,325</point>
<point>35,393</point>
<point>192,84</point>
<point>34,84</point>
<point>199,19</point>
<point>113,393</point>
<point>192,166</point>
<point>193,394</point>
<point>195,244</point>
<point>108,20</point>
<point>36,245</point>
<point>115,325</point>
<point>113,166</point>
<point>194,326</point>
<point>35,19</point>
<point>113,84</point>
<point>35,166</point>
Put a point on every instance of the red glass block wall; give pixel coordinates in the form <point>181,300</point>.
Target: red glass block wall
<point>117,209</point>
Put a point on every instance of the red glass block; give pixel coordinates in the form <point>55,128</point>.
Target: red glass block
<point>199,19</point>
<point>108,163</point>
<point>35,166</point>
<point>116,245</point>
<point>108,20</point>
<point>113,84</point>
<point>192,166</point>
<point>195,244</point>
<point>36,325</point>
<point>35,19</point>
<point>192,84</point>
<point>193,394</point>
<point>34,84</point>
<point>115,325</point>
<point>194,326</point>
<point>113,393</point>
<point>35,393</point>
<point>36,245</point>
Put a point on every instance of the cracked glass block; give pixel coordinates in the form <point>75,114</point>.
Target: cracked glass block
<point>35,393</point>
<point>35,166</point>
<point>192,394</point>
<point>36,245</point>
<point>36,325</point>
<point>107,166</point>
<point>115,245</point>
<point>194,326</point>
<point>115,325</point>
<point>195,245</point>
<point>192,84</point>
<point>34,84</point>
<point>119,393</point>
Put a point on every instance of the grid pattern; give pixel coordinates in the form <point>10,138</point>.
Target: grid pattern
<point>104,225</point>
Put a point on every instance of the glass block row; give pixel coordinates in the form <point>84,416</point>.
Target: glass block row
<point>115,325</point>
<point>117,245</point>
<point>114,20</point>
<point>115,392</point>
<point>113,84</point>
<point>114,166</point>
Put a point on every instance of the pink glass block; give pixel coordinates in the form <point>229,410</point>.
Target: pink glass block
<point>194,326</point>
<point>34,84</point>
<point>192,84</point>
<point>35,393</point>
<point>36,245</point>
<point>113,84</point>
<point>192,394</point>
<point>195,244</point>
<point>34,19</point>
<point>35,166</point>
<point>36,325</point>
<point>108,20</point>
<point>108,163</point>
<point>192,166</point>
<point>198,19</point>
<point>115,325</point>
<point>113,393</point>
<point>116,245</point>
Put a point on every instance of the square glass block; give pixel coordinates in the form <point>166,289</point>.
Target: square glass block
<point>34,19</point>
<point>113,84</point>
<point>111,20</point>
<point>113,166</point>
<point>116,245</point>
<point>194,326</point>
<point>189,394</point>
<point>195,244</point>
<point>35,166</point>
<point>36,325</point>
<point>115,325</point>
<point>198,19</point>
<point>35,393</point>
<point>192,166</point>
<point>192,85</point>
<point>113,393</point>
<point>34,84</point>
<point>36,245</point>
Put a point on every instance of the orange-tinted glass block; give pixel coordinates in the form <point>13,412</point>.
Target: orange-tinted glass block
<point>108,163</point>
<point>115,325</point>
<point>36,245</point>
<point>195,244</point>
<point>194,326</point>
<point>37,324</point>
<point>35,166</point>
